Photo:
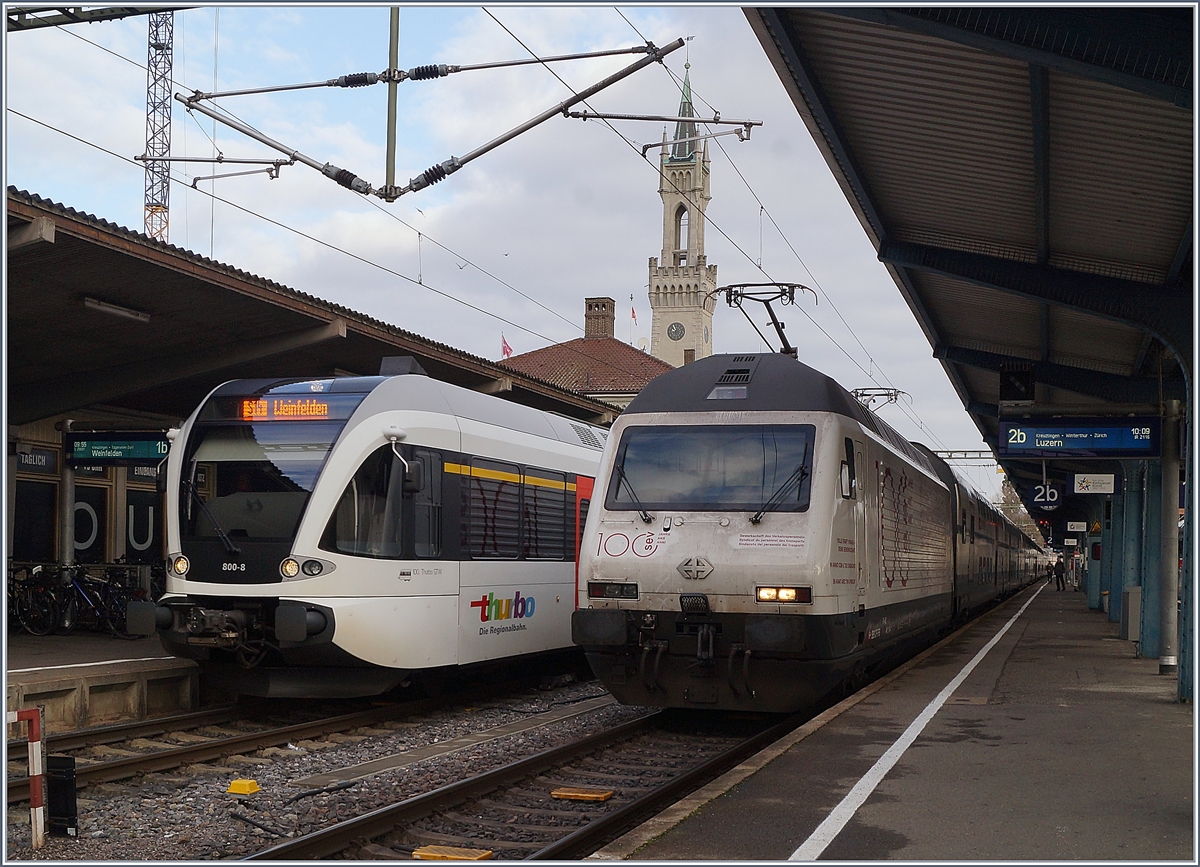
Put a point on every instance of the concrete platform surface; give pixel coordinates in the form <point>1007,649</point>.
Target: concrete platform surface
<point>1060,744</point>
<point>87,679</point>
<point>27,651</point>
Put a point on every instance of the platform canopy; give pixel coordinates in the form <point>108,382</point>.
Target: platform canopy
<point>1026,176</point>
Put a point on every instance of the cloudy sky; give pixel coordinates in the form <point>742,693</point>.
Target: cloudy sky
<point>512,243</point>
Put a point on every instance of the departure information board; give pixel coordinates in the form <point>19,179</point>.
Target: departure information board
<point>106,448</point>
<point>1081,437</point>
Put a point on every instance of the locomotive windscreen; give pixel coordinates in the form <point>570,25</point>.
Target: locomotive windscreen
<point>254,479</point>
<point>719,468</point>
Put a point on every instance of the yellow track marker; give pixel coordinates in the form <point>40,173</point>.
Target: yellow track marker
<point>451,853</point>
<point>574,793</point>
<point>242,787</point>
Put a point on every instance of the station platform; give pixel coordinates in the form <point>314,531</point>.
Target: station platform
<point>1059,744</point>
<point>87,679</point>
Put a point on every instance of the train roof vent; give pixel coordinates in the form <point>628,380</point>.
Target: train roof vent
<point>744,359</point>
<point>587,436</point>
<point>734,375</point>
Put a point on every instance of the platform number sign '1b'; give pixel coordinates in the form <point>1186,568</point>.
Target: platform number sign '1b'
<point>1047,497</point>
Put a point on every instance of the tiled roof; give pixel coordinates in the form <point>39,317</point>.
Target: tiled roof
<point>590,365</point>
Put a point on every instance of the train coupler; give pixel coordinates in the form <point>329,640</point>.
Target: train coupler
<point>733,653</point>
<point>659,648</point>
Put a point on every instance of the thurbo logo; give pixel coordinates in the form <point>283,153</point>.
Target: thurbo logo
<point>492,609</point>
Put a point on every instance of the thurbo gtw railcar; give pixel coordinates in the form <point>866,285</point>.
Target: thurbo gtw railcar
<point>331,537</point>
<point>758,537</point>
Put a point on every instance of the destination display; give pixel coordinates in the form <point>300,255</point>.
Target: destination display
<point>109,448</point>
<point>281,407</point>
<point>1081,437</point>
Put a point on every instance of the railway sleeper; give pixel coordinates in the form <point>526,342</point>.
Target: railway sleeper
<point>539,828</point>
<point>500,807</point>
<point>422,837</point>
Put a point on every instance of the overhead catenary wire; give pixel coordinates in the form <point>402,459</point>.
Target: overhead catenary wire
<point>379,207</point>
<point>369,201</point>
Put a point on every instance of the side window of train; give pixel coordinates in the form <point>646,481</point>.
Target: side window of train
<point>367,519</point>
<point>962,528</point>
<point>544,515</point>
<point>849,479</point>
<point>427,507</point>
<point>493,505</point>
<point>972,528</point>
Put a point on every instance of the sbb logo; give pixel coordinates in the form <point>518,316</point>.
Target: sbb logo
<point>491,608</point>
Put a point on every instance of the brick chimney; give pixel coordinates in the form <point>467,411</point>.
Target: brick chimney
<point>600,316</point>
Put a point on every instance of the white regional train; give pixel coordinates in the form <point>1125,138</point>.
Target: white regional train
<point>759,538</point>
<point>331,537</point>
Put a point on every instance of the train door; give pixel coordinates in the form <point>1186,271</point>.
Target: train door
<point>583,499</point>
<point>860,522</point>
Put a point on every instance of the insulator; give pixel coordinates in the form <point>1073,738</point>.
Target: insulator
<point>346,178</point>
<point>421,73</point>
<point>358,79</point>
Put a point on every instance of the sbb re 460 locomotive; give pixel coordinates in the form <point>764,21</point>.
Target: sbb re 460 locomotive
<point>758,537</point>
<point>334,537</point>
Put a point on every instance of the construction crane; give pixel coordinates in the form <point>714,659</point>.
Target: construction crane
<point>158,124</point>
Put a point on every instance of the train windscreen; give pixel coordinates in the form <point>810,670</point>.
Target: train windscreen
<point>251,481</point>
<point>719,468</point>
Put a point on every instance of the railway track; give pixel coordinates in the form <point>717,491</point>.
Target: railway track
<point>563,803</point>
<point>160,745</point>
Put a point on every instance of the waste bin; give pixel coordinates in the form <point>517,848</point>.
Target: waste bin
<point>1131,613</point>
<point>61,810</point>
<point>1104,601</point>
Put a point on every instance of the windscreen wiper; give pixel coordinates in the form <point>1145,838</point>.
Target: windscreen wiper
<point>225,540</point>
<point>797,477</point>
<point>641,509</point>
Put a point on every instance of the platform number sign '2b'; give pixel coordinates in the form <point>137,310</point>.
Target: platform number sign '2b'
<point>1047,497</point>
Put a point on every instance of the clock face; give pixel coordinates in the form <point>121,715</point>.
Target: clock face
<point>675,331</point>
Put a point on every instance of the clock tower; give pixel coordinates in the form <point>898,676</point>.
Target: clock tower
<point>682,284</point>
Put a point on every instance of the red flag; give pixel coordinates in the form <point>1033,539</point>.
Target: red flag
<point>505,349</point>
<point>633,313</point>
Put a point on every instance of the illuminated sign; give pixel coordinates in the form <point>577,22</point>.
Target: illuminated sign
<point>107,448</point>
<point>1081,437</point>
<point>289,408</point>
<point>286,406</point>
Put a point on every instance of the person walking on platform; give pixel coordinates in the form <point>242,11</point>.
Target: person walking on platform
<point>1060,572</point>
<point>1049,572</point>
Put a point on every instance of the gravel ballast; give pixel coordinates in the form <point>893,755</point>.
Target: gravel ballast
<point>188,814</point>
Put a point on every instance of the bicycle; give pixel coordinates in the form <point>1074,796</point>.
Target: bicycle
<point>34,603</point>
<point>96,602</point>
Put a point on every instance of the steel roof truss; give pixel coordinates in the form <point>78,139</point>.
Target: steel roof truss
<point>1106,386</point>
<point>1039,93</point>
<point>1165,314</point>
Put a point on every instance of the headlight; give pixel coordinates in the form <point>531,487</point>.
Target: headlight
<point>312,567</point>
<point>180,565</point>
<point>289,568</point>
<point>612,590</point>
<point>783,594</point>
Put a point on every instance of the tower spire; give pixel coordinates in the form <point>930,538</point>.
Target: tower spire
<point>685,129</point>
